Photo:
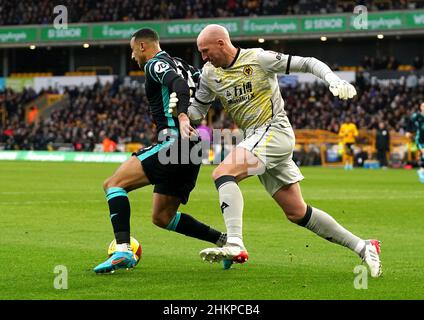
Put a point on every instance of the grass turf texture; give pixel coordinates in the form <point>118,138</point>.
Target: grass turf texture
<point>56,214</point>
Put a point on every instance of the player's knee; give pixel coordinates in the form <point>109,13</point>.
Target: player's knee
<point>158,221</point>
<point>219,172</point>
<point>215,174</point>
<point>161,219</point>
<point>107,184</point>
<point>295,214</point>
<point>115,181</point>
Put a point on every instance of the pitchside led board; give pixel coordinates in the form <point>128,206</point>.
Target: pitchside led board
<point>238,27</point>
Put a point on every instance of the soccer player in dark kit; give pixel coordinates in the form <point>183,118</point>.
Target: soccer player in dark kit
<point>172,181</point>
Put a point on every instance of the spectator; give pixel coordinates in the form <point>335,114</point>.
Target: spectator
<point>418,63</point>
<point>382,144</point>
<point>411,80</point>
<point>142,139</point>
<point>393,64</point>
<point>108,145</point>
<point>32,115</point>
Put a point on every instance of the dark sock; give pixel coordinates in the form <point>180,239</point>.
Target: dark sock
<point>187,225</point>
<point>119,209</point>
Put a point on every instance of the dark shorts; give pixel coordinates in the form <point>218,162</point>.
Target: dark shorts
<point>349,149</point>
<point>176,178</point>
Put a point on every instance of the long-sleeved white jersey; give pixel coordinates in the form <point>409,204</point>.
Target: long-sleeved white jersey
<point>248,88</point>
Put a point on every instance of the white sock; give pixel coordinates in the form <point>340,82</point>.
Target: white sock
<point>328,228</point>
<point>231,201</point>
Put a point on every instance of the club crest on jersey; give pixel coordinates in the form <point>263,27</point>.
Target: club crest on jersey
<point>247,70</point>
<point>161,67</point>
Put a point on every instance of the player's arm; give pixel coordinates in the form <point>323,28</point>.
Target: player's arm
<point>282,63</point>
<point>203,99</point>
<point>198,107</point>
<point>355,131</point>
<point>162,72</point>
<point>342,131</point>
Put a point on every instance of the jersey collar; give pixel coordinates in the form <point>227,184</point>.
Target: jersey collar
<point>159,53</point>
<point>235,59</point>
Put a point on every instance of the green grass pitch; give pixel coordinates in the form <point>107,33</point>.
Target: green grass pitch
<point>55,214</point>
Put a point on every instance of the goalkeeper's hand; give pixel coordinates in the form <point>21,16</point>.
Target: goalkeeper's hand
<point>340,88</point>
<point>173,100</point>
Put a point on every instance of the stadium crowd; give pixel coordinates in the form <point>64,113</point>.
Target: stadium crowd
<point>120,113</point>
<point>41,11</point>
<point>112,111</point>
<point>388,63</point>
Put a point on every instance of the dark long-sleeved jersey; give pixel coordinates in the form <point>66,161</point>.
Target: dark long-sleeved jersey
<point>416,124</point>
<point>164,75</point>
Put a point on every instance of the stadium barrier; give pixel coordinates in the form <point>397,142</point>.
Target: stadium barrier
<point>312,147</point>
<point>330,147</point>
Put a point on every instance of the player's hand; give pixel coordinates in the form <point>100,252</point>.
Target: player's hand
<point>342,89</point>
<point>173,100</point>
<point>186,129</point>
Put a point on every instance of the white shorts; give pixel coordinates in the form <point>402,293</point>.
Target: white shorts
<point>273,145</point>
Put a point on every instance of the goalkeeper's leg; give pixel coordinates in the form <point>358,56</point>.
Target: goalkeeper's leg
<point>321,223</point>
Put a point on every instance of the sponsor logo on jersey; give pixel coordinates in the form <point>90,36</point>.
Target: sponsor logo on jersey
<point>161,67</point>
<point>242,92</point>
<point>247,70</point>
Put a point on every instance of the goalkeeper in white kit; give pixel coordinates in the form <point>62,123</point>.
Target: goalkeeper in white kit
<point>245,81</point>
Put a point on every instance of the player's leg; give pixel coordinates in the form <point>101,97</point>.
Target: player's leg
<point>129,176</point>
<point>348,156</point>
<point>290,199</point>
<point>421,162</point>
<point>238,165</point>
<point>382,156</point>
<point>166,215</point>
<point>352,156</point>
<point>345,156</point>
